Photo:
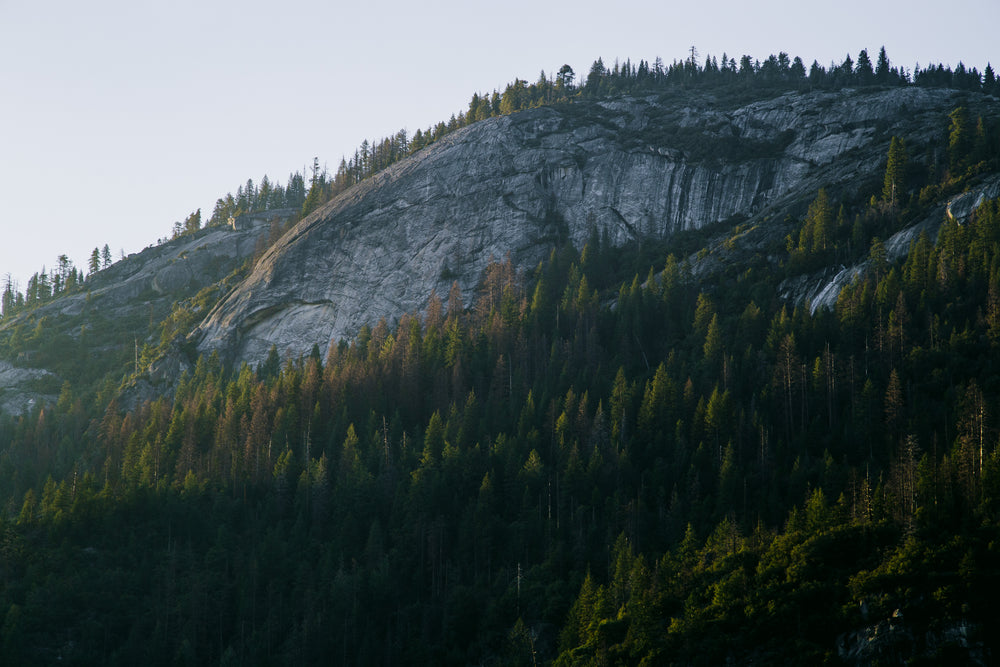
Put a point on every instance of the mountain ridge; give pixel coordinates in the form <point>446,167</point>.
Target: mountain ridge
<point>631,168</point>
<point>643,448</point>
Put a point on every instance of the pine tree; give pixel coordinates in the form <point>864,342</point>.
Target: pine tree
<point>865,74</point>
<point>959,139</point>
<point>821,216</point>
<point>596,75</point>
<point>797,71</point>
<point>816,74</point>
<point>193,222</point>
<point>882,70</point>
<point>814,237</point>
<point>312,201</point>
<point>9,299</point>
<point>847,69</point>
<point>894,169</point>
<point>877,257</point>
<point>713,342</point>
<point>95,261</point>
<point>564,79</point>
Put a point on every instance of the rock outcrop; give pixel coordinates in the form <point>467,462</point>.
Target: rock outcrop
<point>821,291</point>
<point>632,169</point>
<point>170,270</point>
<point>963,205</point>
<point>130,298</point>
<point>163,273</point>
<point>23,388</point>
<point>895,641</point>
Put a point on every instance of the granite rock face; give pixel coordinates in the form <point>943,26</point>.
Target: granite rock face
<point>634,168</point>
<point>19,391</point>
<point>961,207</point>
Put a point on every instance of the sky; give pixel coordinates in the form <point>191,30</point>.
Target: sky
<point>120,117</point>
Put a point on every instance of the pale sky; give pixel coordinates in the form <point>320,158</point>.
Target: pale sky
<point>120,117</point>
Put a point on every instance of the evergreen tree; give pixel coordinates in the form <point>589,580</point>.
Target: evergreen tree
<point>596,75</point>
<point>892,184</point>
<point>193,222</point>
<point>95,261</point>
<point>817,228</point>
<point>816,74</point>
<point>797,71</point>
<point>564,79</point>
<point>959,139</point>
<point>847,69</point>
<point>8,304</point>
<point>882,68</point>
<point>863,69</point>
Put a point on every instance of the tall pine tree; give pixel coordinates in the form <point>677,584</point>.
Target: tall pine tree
<point>892,185</point>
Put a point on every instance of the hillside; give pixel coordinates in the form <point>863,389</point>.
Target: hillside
<point>628,170</point>
<point>702,375</point>
<point>109,327</point>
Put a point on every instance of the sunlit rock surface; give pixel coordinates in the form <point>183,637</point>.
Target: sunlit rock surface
<point>963,205</point>
<point>633,168</point>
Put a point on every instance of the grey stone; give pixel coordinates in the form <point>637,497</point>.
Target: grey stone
<point>962,206</point>
<point>634,168</point>
<point>17,388</point>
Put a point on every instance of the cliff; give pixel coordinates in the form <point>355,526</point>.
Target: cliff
<point>630,168</point>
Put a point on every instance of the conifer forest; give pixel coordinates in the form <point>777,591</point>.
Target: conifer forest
<point>609,458</point>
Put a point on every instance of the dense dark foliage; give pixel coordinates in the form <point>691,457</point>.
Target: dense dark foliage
<point>602,461</point>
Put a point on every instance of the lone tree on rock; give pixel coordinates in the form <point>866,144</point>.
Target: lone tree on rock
<point>894,167</point>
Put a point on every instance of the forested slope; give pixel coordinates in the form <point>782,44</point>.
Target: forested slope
<point>614,457</point>
<point>515,478</point>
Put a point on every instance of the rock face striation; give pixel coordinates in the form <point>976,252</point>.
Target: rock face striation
<point>633,169</point>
